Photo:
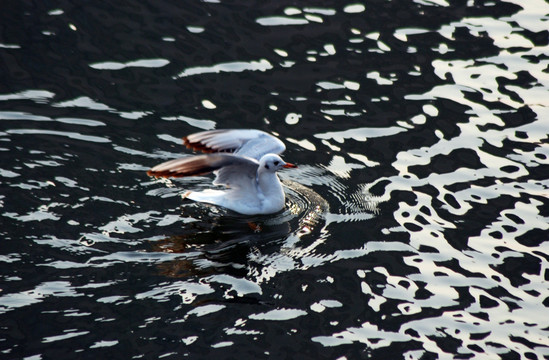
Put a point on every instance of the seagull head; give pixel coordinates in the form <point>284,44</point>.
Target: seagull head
<point>273,163</point>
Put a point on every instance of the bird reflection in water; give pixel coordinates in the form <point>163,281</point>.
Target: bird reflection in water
<point>225,242</point>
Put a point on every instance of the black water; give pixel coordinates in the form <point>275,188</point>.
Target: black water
<point>417,224</point>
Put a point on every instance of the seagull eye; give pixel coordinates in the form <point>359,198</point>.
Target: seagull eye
<point>276,162</point>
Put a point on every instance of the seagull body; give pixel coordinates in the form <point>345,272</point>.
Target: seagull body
<point>244,161</point>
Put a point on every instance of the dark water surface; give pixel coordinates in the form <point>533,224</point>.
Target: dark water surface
<point>417,223</point>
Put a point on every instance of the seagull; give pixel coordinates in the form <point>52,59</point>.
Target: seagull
<point>244,161</point>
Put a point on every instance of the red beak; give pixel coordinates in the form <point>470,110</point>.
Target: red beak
<point>289,165</point>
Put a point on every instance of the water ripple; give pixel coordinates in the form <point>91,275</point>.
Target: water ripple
<point>415,226</point>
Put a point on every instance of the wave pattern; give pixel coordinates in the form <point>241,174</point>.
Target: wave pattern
<point>416,225</point>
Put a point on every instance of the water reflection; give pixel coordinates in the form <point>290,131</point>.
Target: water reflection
<point>237,66</point>
<point>220,241</point>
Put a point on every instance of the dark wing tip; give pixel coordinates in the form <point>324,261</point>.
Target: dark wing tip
<point>178,174</point>
<point>193,166</point>
<point>163,174</point>
<point>197,146</point>
<point>201,142</point>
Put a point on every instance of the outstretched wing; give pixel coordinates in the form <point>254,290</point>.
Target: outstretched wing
<point>231,170</point>
<point>250,143</point>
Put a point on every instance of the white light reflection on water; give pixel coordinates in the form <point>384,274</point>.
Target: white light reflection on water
<point>281,20</point>
<point>35,95</point>
<point>360,134</point>
<point>84,102</point>
<point>236,66</point>
<point>68,134</point>
<point>37,294</point>
<point>278,315</point>
<point>498,322</point>
<point>145,63</point>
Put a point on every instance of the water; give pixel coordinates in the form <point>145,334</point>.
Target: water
<point>416,225</point>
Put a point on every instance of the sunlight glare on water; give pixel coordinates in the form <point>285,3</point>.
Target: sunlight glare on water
<point>415,225</point>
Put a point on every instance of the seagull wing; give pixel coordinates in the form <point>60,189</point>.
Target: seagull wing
<point>249,143</point>
<point>231,170</point>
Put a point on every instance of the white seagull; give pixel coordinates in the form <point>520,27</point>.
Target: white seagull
<point>245,161</point>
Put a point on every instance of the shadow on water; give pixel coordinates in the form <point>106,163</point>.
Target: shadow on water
<point>221,241</point>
